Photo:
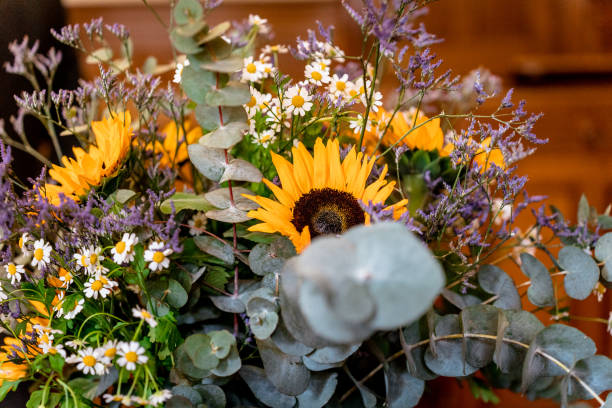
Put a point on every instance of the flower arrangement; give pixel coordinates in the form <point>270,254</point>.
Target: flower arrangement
<point>237,237</point>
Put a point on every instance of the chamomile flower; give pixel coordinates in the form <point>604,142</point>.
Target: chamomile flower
<point>3,295</point>
<point>157,256</point>
<point>357,125</point>
<point>95,257</point>
<point>123,399</point>
<point>275,49</point>
<point>160,397</point>
<point>264,138</point>
<point>178,72</point>
<point>144,315</point>
<point>267,69</point>
<point>252,70</point>
<point>109,349</point>
<point>62,309</point>
<point>260,23</point>
<point>89,361</point>
<point>376,101</point>
<point>123,251</point>
<point>297,101</point>
<point>316,75</point>
<point>131,354</point>
<point>197,223</point>
<point>82,259</point>
<point>14,272</point>
<point>258,102</point>
<point>96,286</point>
<point>339,85</point>
<point>65,277</point>
<point>49,348</point>
<point>322,64</point>
<point>76,343</point>
<point>42,253</point>
<point>23,241</point>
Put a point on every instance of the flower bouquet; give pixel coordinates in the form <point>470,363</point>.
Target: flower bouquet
<point>232,236</point>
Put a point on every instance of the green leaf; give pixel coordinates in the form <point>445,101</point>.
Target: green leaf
<point>177,296</point>
<point>595,371</point>
<point>229,365</point>
<point>57,362</point>
<point>185,201</point>
<point>221,198</point>
<point>241,170</point>
<point>233,94</point>
<point>403,390</point>
<point>603,248</point>
<point>185,364</point>
<point>604,221</point>
<point>540,291</point>
<point>519,326</point>
<point>187,11</point>
<point>263,389</point>
<point>191,29</point>
<point>215,32</point>
<point>197,84</point>
<point>583,210</point>
<point>212,395</point>
<point>286,372</point>
<point>210,162</point>
<point>320,389</point>
<point>481,319</point>
<point>216,248</point>
<point>214,50</point>
<point>228,304</point>
<point>270,258</point>
<point>199,349</point>
<point>122,196</point>
<point>228,65</point>
<point>208,116</point>
<point>497,282</point>
<point>582,272</point>
<point>187,392</point>
<point>221,342</point>
<point>184,44</point>
<point>225,137</point>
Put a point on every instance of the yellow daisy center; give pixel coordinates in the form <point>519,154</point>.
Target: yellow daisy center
<point>89,361</point>
<point>158,256</point>
<point>12,269</point>
<point>297,101</point>
<point>252,102</point>
<point>21,242</point>
<point>341,85</point>
<point>316,75</point>
<point>131,356</point>
<point>353,93</point>
<point>251,68</point>
<point>145,314</point>
<point>120,247</point>
<point>52,350</point>
<point>83,260</point>
<point>93,258</point>
<point>38,254</point>
<point>97,285</point>
<point>110,352</point>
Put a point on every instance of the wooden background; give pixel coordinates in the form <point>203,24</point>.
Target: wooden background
<point>557,54</point>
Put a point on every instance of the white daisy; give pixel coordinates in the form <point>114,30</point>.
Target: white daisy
<point>69,314</point>
<point>260,23</point>
<point>197,223</point>
<point>157,256</point>
<point>178,72</point>
<point>82,259</point>
<point>49,348</point>
<point>89,361</point>
<point>267,69</point>
<point>144,315</point>
<point>65,277</point>
<point>42,253</point>
<point>109,349</point>
<point>252,70</point>
<point>297,101</point>
<point>357,124</point>
<point>275,49</point>
<point>76,343</point>
<point>3,295</point>
<point>265,138</point>
<point>276,117</point>
<point>376,101</point>
<point>258,102</point>
<point>131,354</point>
<point>96,286</point>
<point>123,399</point>
<point>14,272</point>
<point>160,397</point>
<point>95,257</point>
<point>339,85</point>
<point>123,251</point>
<point>322,63</point>
<point>23,241</point>
<point>316,75</point>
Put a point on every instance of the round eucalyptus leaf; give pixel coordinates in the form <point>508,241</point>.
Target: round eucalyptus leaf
<point>270,258</point>
<point>286,372</point>
<point>224,137</point>
<point>460,301</point>
<point>606,272</point>
<point>480,319</point>
<point>176,294</point>
<point>187,11</point>
<point>415,356</point>
<point>187,392</point>
<point>287,343</point>
<point>448,359</point>
<point>241,170</point>
<point>185,201</point>
<point>216,248</point>
<point>179,402</point>
<point>197,84</point>
<point>596,372</point>
<point>582,272</point>
<point>191,29</point>
<point>215,32</point>
<point>186,45</point>
<point>208,116</point>
<point>540,291</point>
<point>221,342</point>
<point>264,390</point>
<point>354,303</point>
<point>262,317</point>
<point>565,344</point>
<point>333,354</point>
<point>212,395</point>
<point>320,390</point>
<point>520,326</point>
<point>230,215</point>
<point>185,365</point>
<point>199,350</point>
<point>227,65</point>
<point>603,248</point>
<point>497,282</point>
<point>214,50</point>
<point>229,365</point>
<point>233,94</point>
<point>221,198</point>
<point>228,304</point>
<point>314,366</point>
<point>210,162</point>
<point>403,390</point>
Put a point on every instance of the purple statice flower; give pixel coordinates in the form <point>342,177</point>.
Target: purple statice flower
<point>69,35</point>
<point>22,55</point>
<point>7,196</point>
<point>118,30</point>
<point>94,28</point>
<point>379,213</point>
<point>32,102</point>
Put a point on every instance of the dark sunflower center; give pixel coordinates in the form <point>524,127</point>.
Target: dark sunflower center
<point>327,211</point>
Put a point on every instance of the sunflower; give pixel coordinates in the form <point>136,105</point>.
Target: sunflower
<point>88,169</point>
<point>321,194</point>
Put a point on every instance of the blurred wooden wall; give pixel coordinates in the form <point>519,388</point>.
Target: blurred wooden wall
<point>557,54</point>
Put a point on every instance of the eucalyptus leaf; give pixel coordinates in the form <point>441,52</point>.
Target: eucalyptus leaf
<point>227,65</point>
<point>497,282</point>
<point>582,272</point>
<point>178,401</point>
<point>480,319</point>
<point>187,392</point>
<point>448,360</point>
<point>210,162</point>
<point>197,84</point>
<point>185,201</point>
<point>603,248</point>
<point>216,248</point>
<point>583,210</point>
<point>225,137</point>
<point>215,32</point>
<point>123,195</point>
<point>314,366</point>
<point>262,317</point>
<point>230,215</point>
<point>540,291</point>
<point>460,301</point>
<point>184,44</point>
<point>286,372</point>
<point>229,365</point>
<point>241,170</point>
<point>333,354</point>
<point>228,304</point>
<point>264,390</point>
<point>177,295</point>
<point>233,94</point>
<point>221,343</point>
<point>287,343</point>
<point>520,326</point>
<point>200,352</point>
<point>187,11</point>
<point>212,395</point>
<point>415,356</point>
<point>185,364</point>
<point>270,258</point>
<point>403,390</point>
<point>103,54</point>
<point>595,372</point>
<point>320,390</point>
<point>209,118</point>
<point>193,28</point>
<point>222,199</point>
